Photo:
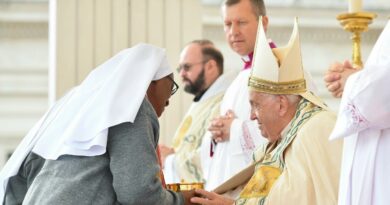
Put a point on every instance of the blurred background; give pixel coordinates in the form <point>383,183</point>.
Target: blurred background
<point>48,46</point>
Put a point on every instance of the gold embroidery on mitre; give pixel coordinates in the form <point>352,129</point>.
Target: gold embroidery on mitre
<point>290,87</point>
<point>182,131</point>
<point>261,182</point>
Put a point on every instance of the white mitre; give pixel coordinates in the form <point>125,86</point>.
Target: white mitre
<point>279,70</point>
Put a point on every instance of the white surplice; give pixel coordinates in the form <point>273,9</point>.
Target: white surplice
<point>232,156</point>
<point>364,122</point>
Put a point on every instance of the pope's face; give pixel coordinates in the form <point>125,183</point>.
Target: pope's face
<point>265,110</point>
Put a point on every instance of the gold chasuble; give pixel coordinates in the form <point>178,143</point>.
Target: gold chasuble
<point>270,159</point>
<point>188,138</point>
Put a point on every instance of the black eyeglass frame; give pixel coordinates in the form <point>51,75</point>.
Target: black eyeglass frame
<point>175,86</point>
<point>187,66</point>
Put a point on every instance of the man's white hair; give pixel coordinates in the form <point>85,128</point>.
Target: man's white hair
<point>292,99</point>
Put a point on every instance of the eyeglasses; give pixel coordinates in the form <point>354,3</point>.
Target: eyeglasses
<point>175,86</point>
<point>187,66</point>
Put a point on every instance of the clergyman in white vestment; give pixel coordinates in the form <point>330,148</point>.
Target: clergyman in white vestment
<point>364,123</point>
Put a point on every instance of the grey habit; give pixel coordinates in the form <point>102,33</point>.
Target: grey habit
<point>17,185</point>
<point>128,173</point>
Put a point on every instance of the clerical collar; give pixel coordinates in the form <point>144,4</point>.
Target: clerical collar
<point>247,60</point>
<point>198,97</point>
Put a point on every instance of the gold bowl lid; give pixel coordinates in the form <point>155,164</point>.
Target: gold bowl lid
<point>185,186</point>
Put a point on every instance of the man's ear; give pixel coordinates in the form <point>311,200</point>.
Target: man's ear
<point>284,105</point>
<point>265,22</point>
<point>210,64</point>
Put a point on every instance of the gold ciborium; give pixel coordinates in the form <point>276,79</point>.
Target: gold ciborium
<point>356,23</point>
<point>185,186</point>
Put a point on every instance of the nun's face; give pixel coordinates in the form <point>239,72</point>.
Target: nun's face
<point>159,92</point>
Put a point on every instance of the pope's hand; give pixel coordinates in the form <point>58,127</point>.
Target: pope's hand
<point>210,198</point>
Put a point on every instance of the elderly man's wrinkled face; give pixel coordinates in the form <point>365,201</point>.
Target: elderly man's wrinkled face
<point>159,92</point>
<point>265,109</point>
